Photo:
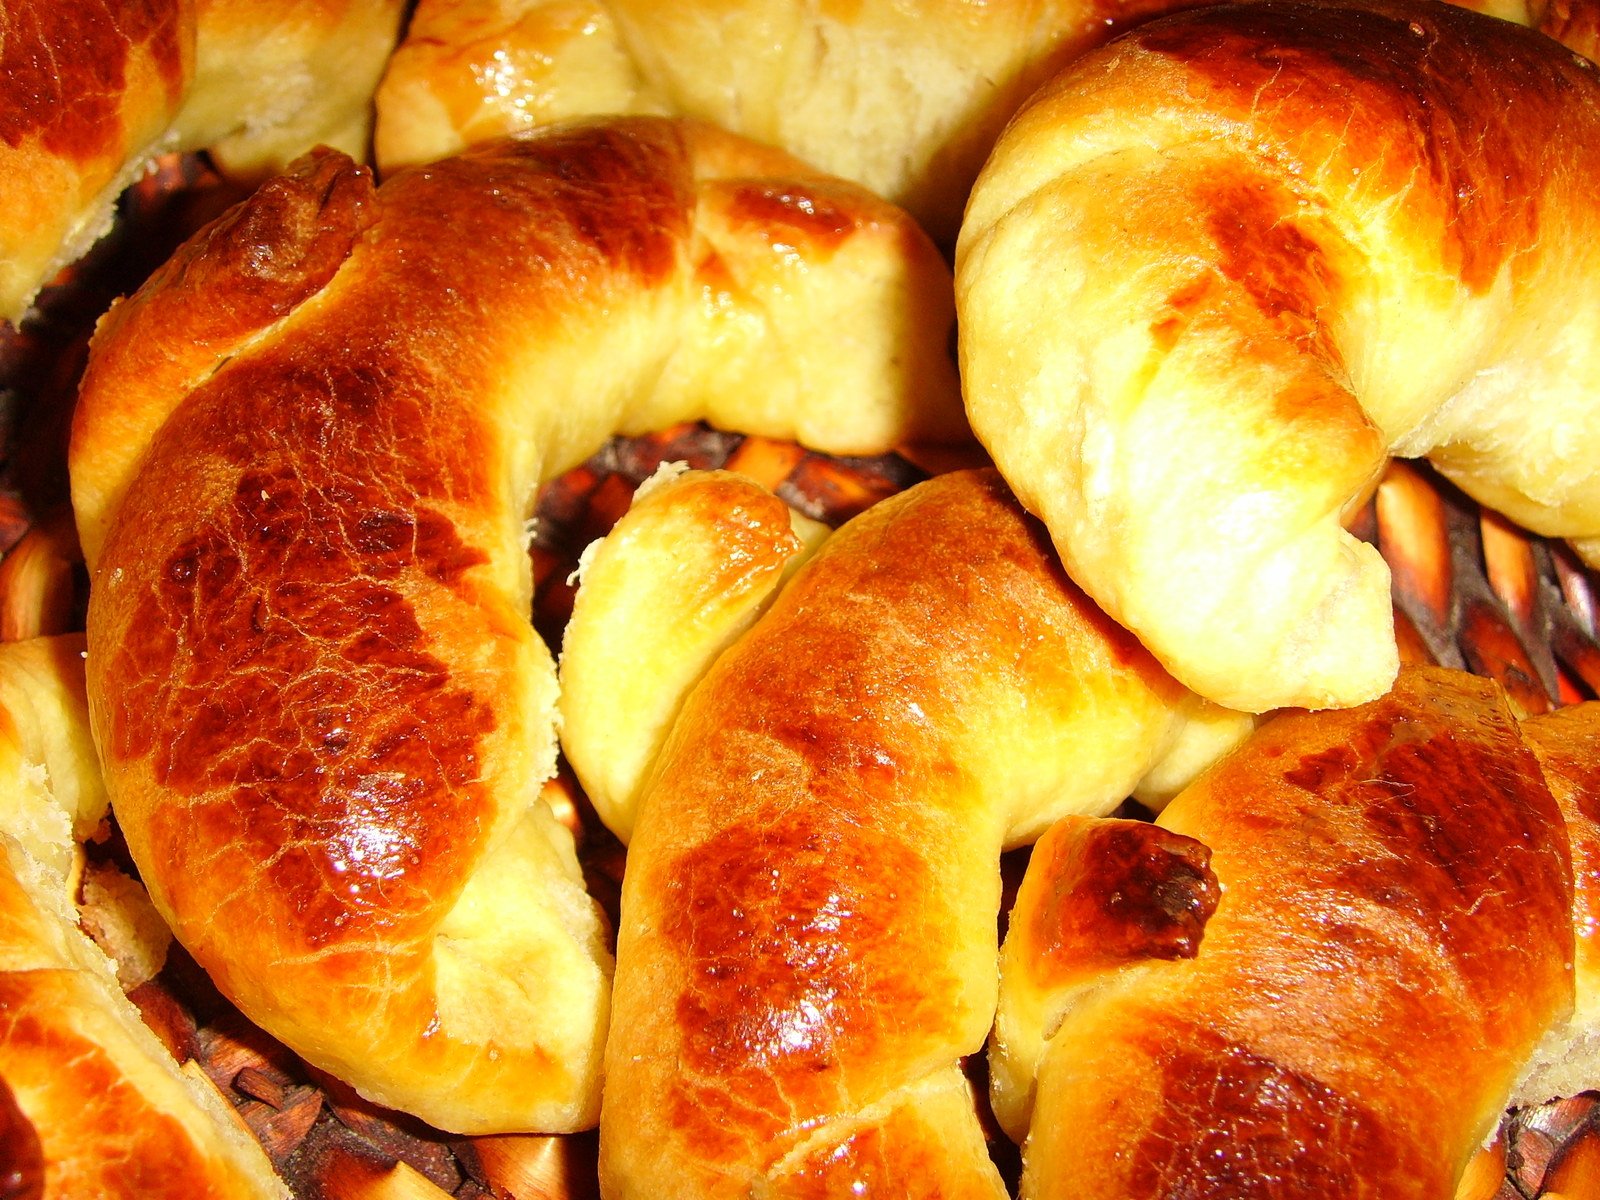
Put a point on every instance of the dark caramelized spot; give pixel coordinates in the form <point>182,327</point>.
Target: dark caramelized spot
<point>1315,771</point>
<point>1446,817</point>
<point>266,255</point>
<point>1235,1125</point>
<point>799,934</point>
<point>1464,833</point>
<point>1181,308</point>
<point>793,216</point>
<point>1118,891</point>
<point>1414,105</point>
<point>65,65</point>
<point>21,1157</point>
<point>1263,250</point>
<point>574,209</point>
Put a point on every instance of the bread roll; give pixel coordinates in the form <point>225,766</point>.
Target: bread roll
<point>904,98</point>
<point>93,91</point>
<point>1214,274</point>
<point>53,798</point>
<point>1567,744</point>
<point>302,462</point>
<point>91,1104</point>
<point>689,567</point>
<point>1323,971</point>
<point>808,945</point>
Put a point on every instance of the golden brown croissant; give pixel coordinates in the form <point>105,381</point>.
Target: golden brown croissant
<point>1215,273</point>
<point>93,90</point>
<point>302,462</point>
<point>808,942</point>
<point>91,1103</point>
<point>1324,971</point>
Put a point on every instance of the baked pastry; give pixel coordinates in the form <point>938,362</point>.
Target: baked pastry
<point>687,570</point>
<point>52,799</point>
<point>905,99</point>
<point>1214,274</point>
<point>93,91</point>
<point>1326,969</point>
<point>91,1103</point>
<point>807,944</point>
<point>302,461</point>
<point>1567,745</point>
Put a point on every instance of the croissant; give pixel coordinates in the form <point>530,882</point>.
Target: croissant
<point>1214,274</point>
<point>1324,971</point>
<point>807,945</point>
<point>302,462</point>
<point>92,92</point>
<point>91,1104</point>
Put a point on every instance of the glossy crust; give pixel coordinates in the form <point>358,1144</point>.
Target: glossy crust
<point>302,462</point>
<point>91,90</point>
<point>1321,973</point>
<point>808,938</point>
<point>91,1105</point>
<point>1214,274</point>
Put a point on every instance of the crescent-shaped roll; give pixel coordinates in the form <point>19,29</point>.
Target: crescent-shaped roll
<point>1325,970</point>
<point>808,936</point>
<point>1215,273</point>
<point>303,460</point>
<point>92,1106</point>
<point>92,90</point>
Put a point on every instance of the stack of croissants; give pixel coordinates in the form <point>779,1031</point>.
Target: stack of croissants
<point>1189,276</point>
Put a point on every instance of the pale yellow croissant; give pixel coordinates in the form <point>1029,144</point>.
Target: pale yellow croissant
<point>1214,274</point>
